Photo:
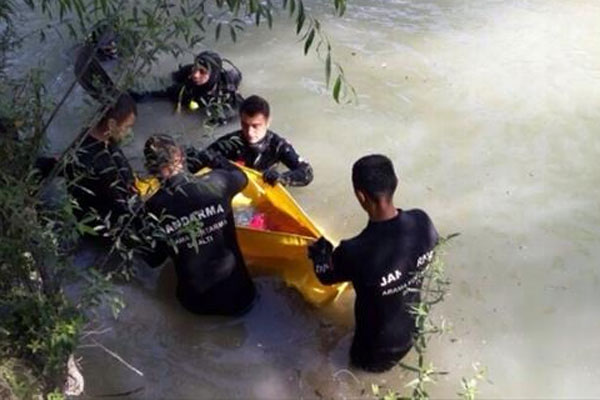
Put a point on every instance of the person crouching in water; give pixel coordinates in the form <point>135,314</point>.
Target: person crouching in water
<point>257,147</point>
<point>204,85</point>
<point>383,263</point>
<point>196,229</point>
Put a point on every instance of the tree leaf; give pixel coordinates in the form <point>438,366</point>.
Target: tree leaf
<point>342,10</point>
<point>257,18</point>
<point>309,40</point>
<point>218,31</point>
<point>61,10</point>
<point>72,31</point>
<point>375,389</point>
<point>337,86</point>
<point>104,6</point>
<point>328,68</point>
<point>199,23</point>
<point>340,7</point>
<point>269,18</point>
<point>301,18</point>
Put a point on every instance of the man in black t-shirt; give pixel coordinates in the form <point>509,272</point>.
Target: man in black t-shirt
<point>257,147</point>
<point>382,262</point>
<point>196,229</point>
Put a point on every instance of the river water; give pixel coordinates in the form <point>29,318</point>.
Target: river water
<point>490,111</point>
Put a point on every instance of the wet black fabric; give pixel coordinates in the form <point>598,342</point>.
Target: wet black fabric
<point>219,91</point>
<point>270,151</point>
<point>100,178</point>
<point>197,231</point>
<point>382,262</point>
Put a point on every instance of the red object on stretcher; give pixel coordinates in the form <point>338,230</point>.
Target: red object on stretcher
<point>258,221</point>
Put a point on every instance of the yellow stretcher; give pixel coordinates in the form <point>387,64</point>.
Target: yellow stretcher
<point>281,250</point>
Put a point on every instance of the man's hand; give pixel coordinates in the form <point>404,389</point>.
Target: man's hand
<point>320,251</point>
<point>271,177</point>
<point>200,159</point>
<point>217,161</point>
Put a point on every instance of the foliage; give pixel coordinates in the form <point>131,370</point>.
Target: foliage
<point>40,324</point>
<point>17,381</point>
<point>44,299</point>
<point>433,291</point>
<point>469,386</point>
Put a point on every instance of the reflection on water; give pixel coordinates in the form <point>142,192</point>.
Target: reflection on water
<point>490,111</point>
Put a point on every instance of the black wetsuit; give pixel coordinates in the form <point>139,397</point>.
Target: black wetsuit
<point>197,230</point>
<point>100,178</point>
<point>217,96</point>
<point>380,262</point>
<point>271,150</point>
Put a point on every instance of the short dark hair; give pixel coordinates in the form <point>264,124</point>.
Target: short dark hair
<point>254,105</point>
<point>122,108</point>
<point>374,175</point>
<point>159,151</point>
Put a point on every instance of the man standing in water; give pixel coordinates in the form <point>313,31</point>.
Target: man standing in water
<point>383,262</point>
<point>255,146</point>
<point>99,176</point>
<point>196,229</point>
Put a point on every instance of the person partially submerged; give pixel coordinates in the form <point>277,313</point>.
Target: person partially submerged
<point>196,229</point>
<point>99,176</point>
<point>206,84</point>
<point>384,263</point>
<point>257,147</point>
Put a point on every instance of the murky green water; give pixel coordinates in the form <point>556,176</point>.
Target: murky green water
<point>490,111</point>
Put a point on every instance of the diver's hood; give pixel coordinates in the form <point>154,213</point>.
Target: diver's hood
<point>209,59</point>
<point>213,63</point>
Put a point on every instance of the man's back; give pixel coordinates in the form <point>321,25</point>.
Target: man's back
<point>196,218</point>
<point>380,262</point>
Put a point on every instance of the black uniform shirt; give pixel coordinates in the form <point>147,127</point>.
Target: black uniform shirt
<point>271,150</point>
<point>196,220</point>
<point>379,262</point>
<point>101,178</point>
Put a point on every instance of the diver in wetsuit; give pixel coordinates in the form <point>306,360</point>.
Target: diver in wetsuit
<point>384,262</point>
<point>255,146</point>
<point>98,174</point>
<point>196,229</point>
<point>206,84</point>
